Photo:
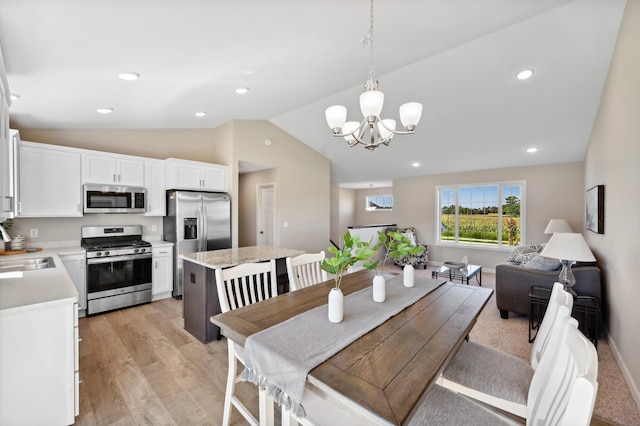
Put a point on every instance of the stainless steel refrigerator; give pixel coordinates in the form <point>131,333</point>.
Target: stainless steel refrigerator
<point>196,221</point>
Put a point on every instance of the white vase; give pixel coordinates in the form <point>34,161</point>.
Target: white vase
<point>335,305</point>
<point>408,277</point>
<point>379,293</point>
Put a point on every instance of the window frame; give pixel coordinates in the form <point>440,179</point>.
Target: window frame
<point>374,209</point>
<point>501,185</point>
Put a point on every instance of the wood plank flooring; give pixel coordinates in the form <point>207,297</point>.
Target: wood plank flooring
<point>139,366</point>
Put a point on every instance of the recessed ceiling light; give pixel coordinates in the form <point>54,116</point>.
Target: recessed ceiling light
<point>15,96</point>
<point>105,110</point>
<point>200,114</point>
<point>415,164</point>
<point>532,149</point>
<point>242,90</point>
<point>129,76</point>
<point>524,74</point>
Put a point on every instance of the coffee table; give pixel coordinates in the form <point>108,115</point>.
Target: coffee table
<point>464,274</point>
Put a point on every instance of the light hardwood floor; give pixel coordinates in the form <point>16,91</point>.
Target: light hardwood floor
<point>139,366</point>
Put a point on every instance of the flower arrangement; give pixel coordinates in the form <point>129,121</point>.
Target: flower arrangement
<point>353,250</point>
<point>397,246</point>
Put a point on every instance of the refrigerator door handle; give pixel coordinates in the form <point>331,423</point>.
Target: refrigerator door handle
<point>205,231</point>
<point>200,228</point>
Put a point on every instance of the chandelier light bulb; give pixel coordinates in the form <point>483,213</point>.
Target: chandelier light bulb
<point>336,117</point>
<point>410,114</point>
<point>371,103</point>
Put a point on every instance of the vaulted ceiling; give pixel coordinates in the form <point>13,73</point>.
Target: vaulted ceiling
<point>297,57</point>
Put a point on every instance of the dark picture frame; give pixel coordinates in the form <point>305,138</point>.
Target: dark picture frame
<point>595,209</point>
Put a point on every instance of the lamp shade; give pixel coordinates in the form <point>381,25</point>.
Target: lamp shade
<point>386,128</point>
<point>568,246</point>
<point>410,114</point>
<point>347,130</point>
<point>371,103</point>
<point>557,225</point>
<point>336,115</point>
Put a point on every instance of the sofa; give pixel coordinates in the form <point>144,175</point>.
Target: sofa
<point>515,278</point>
<point>419,260</point>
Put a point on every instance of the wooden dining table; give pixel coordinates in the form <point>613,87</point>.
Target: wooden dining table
<point>382,376</point>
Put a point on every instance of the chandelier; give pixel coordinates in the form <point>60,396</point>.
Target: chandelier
<point>372,131</point>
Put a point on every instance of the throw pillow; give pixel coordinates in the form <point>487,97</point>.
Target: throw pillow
<point>411,237</point>
<point>542,263</point>
<point>519,254</point>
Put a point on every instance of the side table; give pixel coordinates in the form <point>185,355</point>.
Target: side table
<point>586,309</point>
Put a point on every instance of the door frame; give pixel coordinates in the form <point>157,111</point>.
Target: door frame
<point>259,188</point>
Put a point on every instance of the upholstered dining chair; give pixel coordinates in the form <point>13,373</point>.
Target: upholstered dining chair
<point>240,286</point>
<point>499,379</point>
<point>304,270</point>
<point>562,391</point>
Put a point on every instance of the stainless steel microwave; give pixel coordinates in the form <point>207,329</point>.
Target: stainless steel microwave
<point>114,199</point>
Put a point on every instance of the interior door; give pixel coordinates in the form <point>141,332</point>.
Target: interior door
<point>266,215</point>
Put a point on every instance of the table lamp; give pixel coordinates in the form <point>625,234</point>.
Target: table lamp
<point>557,225</point>
<point>568,248</point>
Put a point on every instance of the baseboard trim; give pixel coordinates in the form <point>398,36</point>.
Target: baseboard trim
<point>633,387</point>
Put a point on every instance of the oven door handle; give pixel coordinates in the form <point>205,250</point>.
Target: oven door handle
<point>97,260</point>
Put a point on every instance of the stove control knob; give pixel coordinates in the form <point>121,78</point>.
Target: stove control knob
<point>136,250</point>
<point>142,250</point>
<point>98,254</point>
<point>106,253</point>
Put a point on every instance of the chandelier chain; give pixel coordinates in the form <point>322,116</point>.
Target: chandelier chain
<point>367,40</point>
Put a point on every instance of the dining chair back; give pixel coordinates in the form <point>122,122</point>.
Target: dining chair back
<point>304,270</point>
<point>564,386</point>
<point>240,286</point>
<point>500,379</point>
<point>559,297</point>
<point>562,390</point>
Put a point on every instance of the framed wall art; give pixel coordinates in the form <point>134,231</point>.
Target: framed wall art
<point>595,209</point>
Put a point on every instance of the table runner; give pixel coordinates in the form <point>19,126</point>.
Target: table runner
<point>279,358</point>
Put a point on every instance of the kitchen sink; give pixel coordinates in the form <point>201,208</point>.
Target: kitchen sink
<point>26,264</point>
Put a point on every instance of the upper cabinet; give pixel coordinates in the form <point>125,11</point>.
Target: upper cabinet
<point>6,161</point>
<point>185,174</point>
<point>112,169</point>
<point>154,182</point>
<point>49,181</point>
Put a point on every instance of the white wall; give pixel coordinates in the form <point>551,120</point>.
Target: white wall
<point>613,161</point>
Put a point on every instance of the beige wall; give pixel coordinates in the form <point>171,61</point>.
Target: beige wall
<point>612,161</point>
<point>302,187</point>
<point>553,191</point>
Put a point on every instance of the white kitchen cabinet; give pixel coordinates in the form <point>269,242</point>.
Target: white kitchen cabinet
<point>185,174</point>
<point>49,181</point>
<point>154,183</point>
<point>39,365</point>
<point>162,274</point>
<point>75,264</point>
<point>6,159</point>
<point>110,169</point>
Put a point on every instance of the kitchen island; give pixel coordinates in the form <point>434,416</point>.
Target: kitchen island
<point>200,296</point>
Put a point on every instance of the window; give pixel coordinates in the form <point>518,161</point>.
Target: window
<point>379,202</point>
<point>486,215</point>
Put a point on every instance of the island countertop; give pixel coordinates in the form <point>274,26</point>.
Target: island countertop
<point>225,258</point>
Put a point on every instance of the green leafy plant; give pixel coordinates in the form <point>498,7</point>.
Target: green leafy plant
<point>397,246</point>
<point>353,250</point>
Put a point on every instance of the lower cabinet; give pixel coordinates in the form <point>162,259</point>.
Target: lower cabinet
<point>75,264</point>
<point>162,274</point>
<point>39,365</point>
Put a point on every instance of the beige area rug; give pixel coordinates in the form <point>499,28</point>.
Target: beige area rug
<point>614,402</point>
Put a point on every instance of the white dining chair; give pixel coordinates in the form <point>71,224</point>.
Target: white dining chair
<point>304,270</point>
<point>562,390</point>
<point>240,286</point>
<point>497,378</point>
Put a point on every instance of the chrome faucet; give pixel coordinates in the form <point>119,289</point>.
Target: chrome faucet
<point>5,234</point>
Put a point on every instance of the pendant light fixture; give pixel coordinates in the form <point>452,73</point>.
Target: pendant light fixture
<point>372,131</point>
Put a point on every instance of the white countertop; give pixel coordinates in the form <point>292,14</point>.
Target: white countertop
<point>225,258</point>
<point>35,288</point>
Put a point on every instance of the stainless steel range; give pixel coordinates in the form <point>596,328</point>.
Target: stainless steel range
<point>118,267</point>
